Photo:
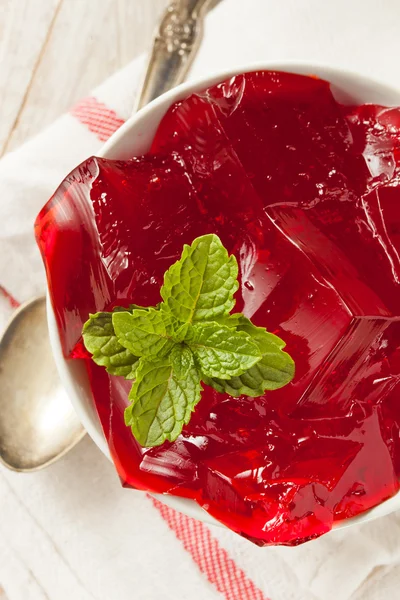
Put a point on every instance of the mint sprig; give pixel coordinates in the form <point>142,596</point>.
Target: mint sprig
<point>188,338</point>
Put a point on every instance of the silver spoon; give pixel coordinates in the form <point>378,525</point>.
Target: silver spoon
<point>37,422</point>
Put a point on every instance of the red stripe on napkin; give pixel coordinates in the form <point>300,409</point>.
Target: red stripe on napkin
<point>99,119</point>
<point>13,302</point>
<point>211,558</point>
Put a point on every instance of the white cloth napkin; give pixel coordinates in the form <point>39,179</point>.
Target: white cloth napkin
<point>71,531</point>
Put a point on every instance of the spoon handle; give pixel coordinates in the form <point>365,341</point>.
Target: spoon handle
<point>175,44</point>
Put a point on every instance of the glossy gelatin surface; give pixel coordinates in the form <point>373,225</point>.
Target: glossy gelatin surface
<point>306,194</point>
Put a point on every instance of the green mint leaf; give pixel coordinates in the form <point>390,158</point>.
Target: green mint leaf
<point>270,373</point>
<point>259,334</point>
<point>133,307</point>
<point>100,340</point>
<point>275,370</point>
<point>200,286</point>
<point>161,402</point>
<point>181,332</point>
<point>231,321</point>
<point>145,332</point>
<point>222,352</point>
<point>181,360</point>
<point>130,308</point>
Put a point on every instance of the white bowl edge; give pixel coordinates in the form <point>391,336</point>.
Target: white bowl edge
<point>133,139</point>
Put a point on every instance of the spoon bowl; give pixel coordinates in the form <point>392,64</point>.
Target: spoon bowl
<point>38,423</point>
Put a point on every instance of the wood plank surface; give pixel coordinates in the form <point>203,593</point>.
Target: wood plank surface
<point>24,27</point>
<point>52,52</point>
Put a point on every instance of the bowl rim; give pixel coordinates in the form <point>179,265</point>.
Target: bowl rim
<point>361,82</point>
<point>73,376</point>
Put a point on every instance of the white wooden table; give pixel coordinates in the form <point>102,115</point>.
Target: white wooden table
<point>53,52</point>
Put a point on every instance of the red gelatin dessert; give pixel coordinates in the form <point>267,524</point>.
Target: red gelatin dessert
<point>306,194</point>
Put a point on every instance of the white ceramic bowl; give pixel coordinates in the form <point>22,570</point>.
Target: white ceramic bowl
<point>134,138</point>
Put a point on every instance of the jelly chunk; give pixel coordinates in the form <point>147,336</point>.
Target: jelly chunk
<point>192,129</point>
<point>289,133</point>
<point>306,194</point>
